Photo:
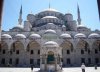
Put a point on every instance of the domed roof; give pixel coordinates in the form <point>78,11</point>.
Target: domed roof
<point>22,36</point>
<point>80,35</point>
<point>51,43</point>
<point>49,17</point>
<point>63,26</point>
<point>94,35</point>
<point>50,9</point>
<point>6,36</point>
<point>50,31</point>
<point>19,26</point>
<point>82,26</point>
<point>65,35</point>
<point>35,36</point>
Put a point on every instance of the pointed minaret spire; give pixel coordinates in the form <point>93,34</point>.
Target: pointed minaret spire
<point>20,16</point>
<point>49,4</point>
<point>78,13</point>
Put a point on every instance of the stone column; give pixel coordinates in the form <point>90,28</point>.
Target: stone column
<point>55,63</point>
<point>45,62</point>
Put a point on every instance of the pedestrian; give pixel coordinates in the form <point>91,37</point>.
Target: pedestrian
<point>31,67</point>
<point>95,67</point>
<point>83,67</point>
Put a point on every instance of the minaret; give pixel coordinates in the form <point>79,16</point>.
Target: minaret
<point>20,16</point>
<point>49,4</point>
<point>78,13</point>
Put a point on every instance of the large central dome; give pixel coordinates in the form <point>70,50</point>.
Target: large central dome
<point>50,9</point>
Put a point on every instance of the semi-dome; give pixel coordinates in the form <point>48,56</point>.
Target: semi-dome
<point>80,35</point>
<point>94,35</point>
<point>50,31</point>
<point>51,43</point>
<point>6,36</point>
<point>46,17</point>
<point>65,35</point>
<point>20,36</point>
<point>35,36</point>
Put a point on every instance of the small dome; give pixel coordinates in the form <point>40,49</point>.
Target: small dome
<point>19,26</point>
<point>50,31</point>
<point>35,36</point>
<point>81,26</point>
<point>6,36</point>
<point>65,35</point>
<point>94,35</point>
<point>49,17</point>
<point>80,35</point>
<point>51,43</point>
<point>20,36</point>
<point>63,26</point>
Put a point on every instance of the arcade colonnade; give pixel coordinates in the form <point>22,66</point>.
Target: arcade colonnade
<point>71,52</point>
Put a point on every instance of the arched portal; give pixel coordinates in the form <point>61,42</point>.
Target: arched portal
<point>3,53</point>
<point>50,58</point>
<point>33,50</point>
<point>67,48</point>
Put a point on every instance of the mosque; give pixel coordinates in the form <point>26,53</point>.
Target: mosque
<point>49,40</point>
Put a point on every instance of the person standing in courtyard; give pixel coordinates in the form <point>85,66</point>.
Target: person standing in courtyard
<point>83,67</point>
<point>31,67</point>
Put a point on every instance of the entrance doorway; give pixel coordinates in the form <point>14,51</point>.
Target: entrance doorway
<point>50,58</point>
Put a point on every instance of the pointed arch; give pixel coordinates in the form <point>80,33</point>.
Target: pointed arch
<point>32,45</point>
<point>17,45</point>
<point>82,44</point>
<point>96,44</point>
<point>3,45</point>
<point>67,45</point>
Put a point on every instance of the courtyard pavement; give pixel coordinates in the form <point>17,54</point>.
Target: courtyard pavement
<point>71,69</point>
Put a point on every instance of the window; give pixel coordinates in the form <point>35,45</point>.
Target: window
<point>38,51</point>
<point>68,52</point>
<point>99,47</point>
<point>96,60</point>
<point>89,60</point>
<point>82,60</point>
<point>31,61</point>
<point>38,61</point>
<point>62,51</point>
<point>17,51</point>
<point>17,61</point>
<point>68,60</point>
<point>96,51</point>
<point>3,61</point>
<point>82,51</point>
<point>88,51</point>
<point>10,61</point>
<point>32,52</point>
<point>3,51</point>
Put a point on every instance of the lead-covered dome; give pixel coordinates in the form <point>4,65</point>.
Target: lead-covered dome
<point>65,36</point>
<point>35,36</point>
<point>50,9</point>
<point>94,35</point>
<point>20,36</point>
<point>80,35</point>
<point>6,36</point>
<point>51,43</point>
<point>50,31</point>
